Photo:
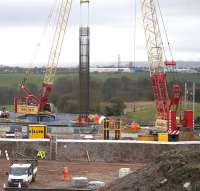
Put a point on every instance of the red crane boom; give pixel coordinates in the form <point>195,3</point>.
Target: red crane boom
<point>166,106</point>
<point>35,104</point>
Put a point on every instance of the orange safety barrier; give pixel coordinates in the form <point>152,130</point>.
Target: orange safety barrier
<point>134,125</point>
<point>78,119</point>
<point>84,119</point>
<point>110,123</point>
<point>96,118</point>
<point>66,173</point>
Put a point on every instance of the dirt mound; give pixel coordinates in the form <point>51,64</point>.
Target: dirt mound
<point>173,170</point>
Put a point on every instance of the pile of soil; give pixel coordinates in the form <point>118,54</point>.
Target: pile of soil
<point>173,170</point>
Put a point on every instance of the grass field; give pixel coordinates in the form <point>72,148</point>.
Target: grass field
<point>134,76</point>
<point>145,111</point>
<point>104,76</point>
<point>13,79</point>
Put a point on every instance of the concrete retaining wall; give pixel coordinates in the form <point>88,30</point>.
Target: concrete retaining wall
<point>24,147</point>
<point>123,151</point>
<point>108,151</point>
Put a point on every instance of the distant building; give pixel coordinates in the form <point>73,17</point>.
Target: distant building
<point>187,70</point>
<point>138,69</point>
<point>108,69</point>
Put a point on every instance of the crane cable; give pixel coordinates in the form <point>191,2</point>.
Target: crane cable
<point>175,77</point>
<point>165,30</point>
<point>39,43</point>
<point>135,30</point>
<point>156,22</point>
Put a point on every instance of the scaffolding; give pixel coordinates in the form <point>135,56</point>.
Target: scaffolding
<point>84,59</point>
<point>112,126</point>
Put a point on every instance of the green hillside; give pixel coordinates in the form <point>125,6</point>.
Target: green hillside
<point>13,79</point>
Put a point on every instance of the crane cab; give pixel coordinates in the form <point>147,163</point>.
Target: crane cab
<point>27,106</point>
<point>49,107</point>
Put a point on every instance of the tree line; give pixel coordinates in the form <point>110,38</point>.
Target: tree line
<point>105,96</point>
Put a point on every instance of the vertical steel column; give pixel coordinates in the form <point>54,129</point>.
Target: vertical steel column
<point>84,69</point>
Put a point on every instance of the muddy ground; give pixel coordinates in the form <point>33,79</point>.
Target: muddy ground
<point>50,173</point>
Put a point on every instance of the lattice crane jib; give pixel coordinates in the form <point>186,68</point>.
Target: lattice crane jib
<point>25,104</point>
<point>56,48</point>
<point>155,51</point>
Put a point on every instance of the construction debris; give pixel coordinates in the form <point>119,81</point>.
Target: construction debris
<point>95,184</point>
<point>79,182</point>
<point>173,170</point>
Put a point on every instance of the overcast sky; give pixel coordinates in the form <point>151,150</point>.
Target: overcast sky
<point>112,29</point>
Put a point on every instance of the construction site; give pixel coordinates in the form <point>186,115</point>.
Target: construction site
<point>51,141</point>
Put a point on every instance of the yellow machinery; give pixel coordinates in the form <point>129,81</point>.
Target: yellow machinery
<point>37,131</point>
<point>27,109</point>
<point>163,137</point>
<point>110,125</point>
<point>145,138</point>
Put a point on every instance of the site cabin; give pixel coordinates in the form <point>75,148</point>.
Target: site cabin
<point>38,132</point>
<point>22,173</point>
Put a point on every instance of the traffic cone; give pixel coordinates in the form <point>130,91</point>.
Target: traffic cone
<point>66,173</point>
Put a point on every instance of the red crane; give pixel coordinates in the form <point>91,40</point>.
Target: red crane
<point>31,103</point>
<point>166,106</point>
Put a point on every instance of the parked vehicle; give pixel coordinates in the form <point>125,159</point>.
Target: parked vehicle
<point>22,173</point>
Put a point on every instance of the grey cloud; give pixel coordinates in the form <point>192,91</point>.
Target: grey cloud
<point>104,12</point>
<point>20,13</point>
